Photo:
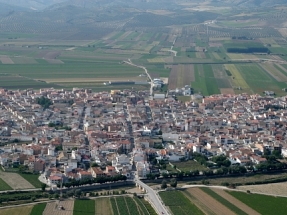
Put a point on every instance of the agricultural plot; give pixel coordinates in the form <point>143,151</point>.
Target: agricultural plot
<point>53,208</point>
<point>243,207</point>
<point>33,179</point>
<point>180,76</point>
<point>265,205</point>
<point>259,80</point>
<point>276,74</point>
<point>103,206</point>
<point>17,211</point>
<point>178,203</point>
<point>223,201</point>
<point>15,181</point>
<point>18,82</point>
<point>38,209</point>
<point>6,60</point>
<point>209,202</point>
<point>238,82</point>
<point>190,165</point>
<point>84,207</point>
<point>4,185</point>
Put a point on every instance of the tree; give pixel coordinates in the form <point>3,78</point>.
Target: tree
<point>43,186</point>
<point>173,182</point>
<point>94,165</point>
<point>163,184</point>
<point>44,102</point>
<point>78,193</point>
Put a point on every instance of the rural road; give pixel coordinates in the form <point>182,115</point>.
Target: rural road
<point>171,48</point>
<point>260,60</point>
<point>142,67</point>
<point>154,198</point>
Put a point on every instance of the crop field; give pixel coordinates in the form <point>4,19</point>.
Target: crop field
<point>265,205</point>
<point>103,206</point>
<point>4,185</point>
<point>180,76</point>
<point>53,208</point>
<point>84,207</point>
<point>38,209</point>
<point>218,201</point>
<point>26,210</point>
<point>209,203</point>
<point>33,179</point>
<point>205,81</point>
<point>178,203</point>
<point>223,201</point>
<point>87,53</point>
<point>127,206</point>
<point>15,180</point>
<point>190,165</point>
<point>258,79</point>
<point>237,80</point>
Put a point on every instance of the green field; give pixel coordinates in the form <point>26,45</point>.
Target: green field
<point>179,204</point>
<point>94,55</point>
<point>223,201</point>
<point>84,207</point>
<point>190,165</point>
<point>4,185</point>
<point>33,179</point>
<point>265,205</point>
<point>38,209</point>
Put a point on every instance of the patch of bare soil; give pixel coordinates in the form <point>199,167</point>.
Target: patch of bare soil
<point>236,202</point>
<point>210,202</point>
<point>52,208</point>
<point>272,189</point>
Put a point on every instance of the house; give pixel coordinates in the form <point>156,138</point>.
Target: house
<point>97,172</point>
<point>39,165</point>
<point>54,180</point>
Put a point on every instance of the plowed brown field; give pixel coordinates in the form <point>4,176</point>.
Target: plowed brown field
<point>211,203</point>
<point>236,202</point>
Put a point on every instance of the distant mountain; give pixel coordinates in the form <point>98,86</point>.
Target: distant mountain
<point>32,4</point>
<point>6,9</point>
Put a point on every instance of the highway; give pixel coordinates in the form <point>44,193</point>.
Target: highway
<point>154,198</point>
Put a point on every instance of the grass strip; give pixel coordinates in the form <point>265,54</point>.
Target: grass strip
<point>264,204</point>
<point>4,186</point>
<point>38,209</point>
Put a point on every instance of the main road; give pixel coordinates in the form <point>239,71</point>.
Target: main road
<point>154,199</point>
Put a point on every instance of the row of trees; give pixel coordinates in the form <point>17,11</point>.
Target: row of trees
<point>173,183</point>
<point>101,180</point>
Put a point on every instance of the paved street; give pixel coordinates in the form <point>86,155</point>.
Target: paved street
<point>154,198</point>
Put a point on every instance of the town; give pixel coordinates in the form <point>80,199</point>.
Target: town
<point>79,135</point>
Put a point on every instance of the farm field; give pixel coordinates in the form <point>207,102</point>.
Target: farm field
<point>190,165</point>
<point>103,206</point>
<point>33,179</point>
<point>26,210</point>
<point>88,56</point>
<point>205,81</point>
<point>38,209</point>
<point>272,189</point>
<point>265,205</point>
<point>84,207</point>
<point>15,181</point>
<point>52,208</point>
<point>178,203</point>
<point>180,76</point>
<point>223,201</point>
<point>4,185</point>
<point>209,203</point>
